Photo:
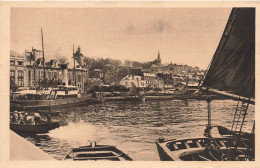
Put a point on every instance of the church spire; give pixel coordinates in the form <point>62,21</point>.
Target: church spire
<point>159,58</point>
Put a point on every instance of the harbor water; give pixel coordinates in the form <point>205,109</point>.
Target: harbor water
<point>135,126</point>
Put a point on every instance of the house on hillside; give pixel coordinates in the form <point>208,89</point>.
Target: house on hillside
<point>137,80</point>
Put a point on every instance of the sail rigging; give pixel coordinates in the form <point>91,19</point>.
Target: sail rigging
<point>233,65</point>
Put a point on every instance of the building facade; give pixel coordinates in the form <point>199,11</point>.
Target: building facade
<point>28,71</point>
<point>18,71</point>
<point>170,69</point>
<point>151,80</point>
<point>137,80</point>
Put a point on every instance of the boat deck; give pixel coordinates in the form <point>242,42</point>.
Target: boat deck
<point>188,149</point>
<point>109,153</point>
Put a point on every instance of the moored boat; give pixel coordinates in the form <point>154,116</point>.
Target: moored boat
<point>96,153</point>
<point>203,149</point>
<point>59,96</point>
<point>36,129</point>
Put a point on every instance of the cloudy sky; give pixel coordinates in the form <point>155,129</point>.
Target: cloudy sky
<point>182,35</point>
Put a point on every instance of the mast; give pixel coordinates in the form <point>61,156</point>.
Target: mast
<point>187,83</point>
<point>74,79</point>
<point>209,117</point>
<point>116,75</point>
<point>29,72</point>
<point>138,85</point>
<point>44,73</point>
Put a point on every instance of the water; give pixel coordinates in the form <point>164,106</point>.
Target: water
<point>134,127</point>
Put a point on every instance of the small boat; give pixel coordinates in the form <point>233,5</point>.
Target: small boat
<point>134,94</point>
<point>96,153</point>
<point>35,129</point>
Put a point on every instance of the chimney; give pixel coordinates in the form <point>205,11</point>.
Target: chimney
<point>64,69</point>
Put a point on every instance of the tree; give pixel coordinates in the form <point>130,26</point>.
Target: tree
<point>122,72</point>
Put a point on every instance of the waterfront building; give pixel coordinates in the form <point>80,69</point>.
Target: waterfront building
<point>151,79</point>
<point>28,71</point>
<point>110,74</point>
<point>17,70</point>
<point>137,80</point>
<point>169,69</point>
<point>97,73</point>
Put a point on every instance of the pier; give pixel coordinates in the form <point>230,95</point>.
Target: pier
<point>21,149</point>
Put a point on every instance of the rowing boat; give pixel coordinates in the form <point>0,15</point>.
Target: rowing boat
<point>96,153</point>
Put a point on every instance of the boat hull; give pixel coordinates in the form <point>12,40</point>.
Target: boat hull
<point>162,153</point>
<point>46,104</point>
<point>194,149</point>
<point>128,98</point>
<point>41,128</point>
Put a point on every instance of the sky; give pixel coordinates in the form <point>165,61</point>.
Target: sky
<point>182,35</point>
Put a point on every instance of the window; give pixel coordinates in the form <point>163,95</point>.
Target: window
<point>79,78</point>
<point>12,63</point>
<point>49,75</point>
<point>12,77</point>
<point>20,78</point>
<point>55,76</point>
<point>39,74</point>
<point>34,75</point>
<point>42,74</point>
<point>20,62</point>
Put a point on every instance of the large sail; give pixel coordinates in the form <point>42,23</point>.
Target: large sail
<point>233,65</point>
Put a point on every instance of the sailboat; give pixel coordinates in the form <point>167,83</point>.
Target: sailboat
<point>231,73</point>
<point>134,93</point>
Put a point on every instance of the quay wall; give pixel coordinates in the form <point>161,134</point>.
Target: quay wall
<point>21,149</point>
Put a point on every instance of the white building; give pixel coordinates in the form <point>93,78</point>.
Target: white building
<point>151,80</point>
<point>137,80</point>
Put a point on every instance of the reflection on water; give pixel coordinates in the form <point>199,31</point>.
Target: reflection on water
<point>134,127</point>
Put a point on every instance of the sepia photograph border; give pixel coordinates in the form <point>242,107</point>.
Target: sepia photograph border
<point>5,8</point>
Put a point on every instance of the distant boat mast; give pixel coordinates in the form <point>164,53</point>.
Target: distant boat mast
<point>74,78</point>
<point>44,73</point>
